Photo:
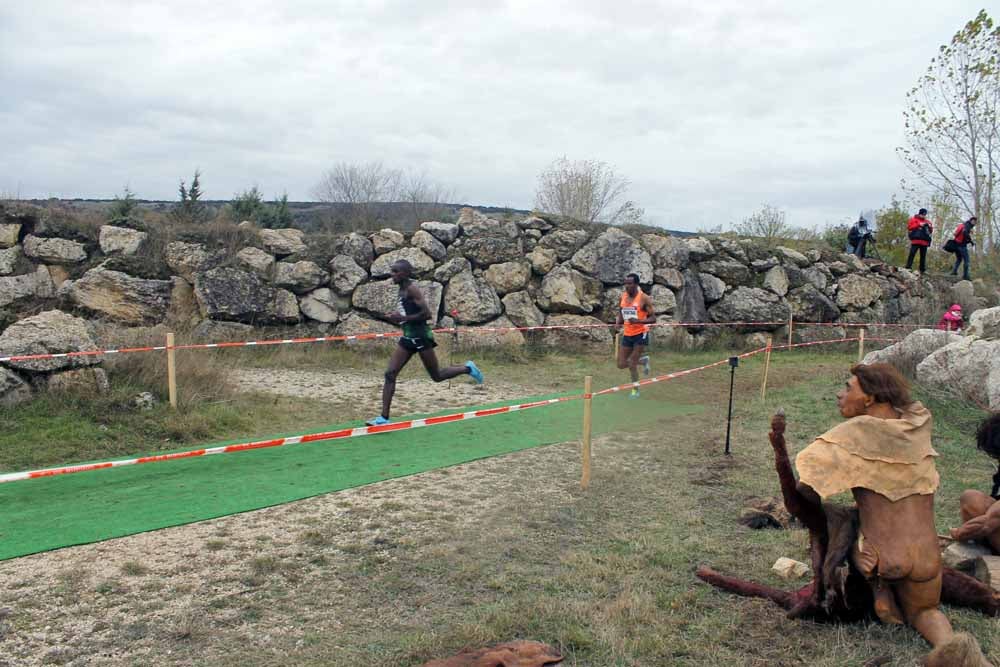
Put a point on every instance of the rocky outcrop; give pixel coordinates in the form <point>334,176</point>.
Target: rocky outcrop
<point>431,246</point>
<point>120,297</point>
<point>985,323</point>
<point>283,242</point>
<point>299,277</point>
<point>522,311</point>
<point>9,259</point>
<point>37,285</point>
<point>187,259</point>
<point>387,240</point>
<point>238,296</point>
<point>345,274</point>
<point>358,248</point>
<point>257,261</point>
<point>968,368</point>
<point>564,242</point>
<point>580,329</point>
<point>763,310</point>
<point>508,276</point>
<point>379,298</point>
<point>445,232</point>
<point>50,332</point>
<point>121,240</point>
<point>855,292</point>
<point>54,250</point>
<point>909,352</point>
<point>566,290</point>
<point>612,256</point>
<point>471,300</point>
<point>417,258</point>
<point>14,388</point>
<point>9,233</point>
<point>322,305</point>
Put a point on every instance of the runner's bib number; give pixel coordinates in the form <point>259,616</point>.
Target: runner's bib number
<point>629,312</point>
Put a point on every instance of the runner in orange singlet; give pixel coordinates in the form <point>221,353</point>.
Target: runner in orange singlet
<point>635,312</point>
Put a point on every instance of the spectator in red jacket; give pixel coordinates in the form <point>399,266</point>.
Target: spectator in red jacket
<point>952,318</point>
<point>963,238</point>
<point>919,229</point>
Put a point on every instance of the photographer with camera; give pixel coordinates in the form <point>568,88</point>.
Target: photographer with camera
<point>858,237</point>
<point>919,229</point>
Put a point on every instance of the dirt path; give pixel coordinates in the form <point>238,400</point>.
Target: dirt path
<point>415,392</point>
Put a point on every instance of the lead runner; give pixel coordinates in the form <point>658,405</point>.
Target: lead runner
<point>417,338</point>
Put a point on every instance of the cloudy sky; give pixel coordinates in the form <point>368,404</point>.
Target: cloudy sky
<point>709,108</point>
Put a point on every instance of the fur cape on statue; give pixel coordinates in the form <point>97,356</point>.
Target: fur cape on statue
<point>838,592</point>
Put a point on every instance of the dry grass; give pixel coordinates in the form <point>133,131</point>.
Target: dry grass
<point>396,573</point>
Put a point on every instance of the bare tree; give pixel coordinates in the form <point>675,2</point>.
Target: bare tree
<point>767,223</point>
<point>952,139</point>
<point>587,190</point>
<point>359,188</point>
<point>425,199</point>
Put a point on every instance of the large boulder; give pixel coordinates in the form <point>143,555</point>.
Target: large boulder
<point>496,333</point>
<point>483,251</point>
<point>9,259</point>
<point>666,251</point>
<point>89,381</point>
<point>815,334</point>
<point>239,296</point>
<point>283,242</point>
<point>471,300</point>
<point>52,331</point>
<point>54,250</point>
<point>566,290</point>
<point>257,261</point>
<point>186,259</point>
<point>985,323</point>
<point>381,297</point>
<point>37,285</point>
<point>612,256</point>
<point>345,274</point>
<point>776,280</point>
<point>729,270</point>
<point>909,352</point>
<point>357,247</point>
<point>535,223</point>
<point>451,268</point>
<point>808,304</point>
<point>121,240</point>
<point>121,297</point>
<point>355,324</point>
<point>299,277</point>
<point>579,329</point>
<point>321,305</point>
<point>417,258</point>
<point>691,300</point>
<point>668,276</point>
<point>791,256</point>
<point>759,309</point>
<point>564,242</point>
<point>475,224</point>
<point>14,389</point>
<point>968,368</point>
<point>445,232</point>
<point>699,249</point>
<point>9,234</point>
<point>856,292</point>
<point>522,311</point>
<point>214,331</point>
<point>284,308</point>
<point>820,277</point>
<point>508,276</point>
<point>711,287</point>
<point>542,260</point>
<point>429,244</point>
<point>387,240</point>
<point>663,299</point>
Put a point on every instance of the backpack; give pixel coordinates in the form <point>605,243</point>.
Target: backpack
<point>951,245</point>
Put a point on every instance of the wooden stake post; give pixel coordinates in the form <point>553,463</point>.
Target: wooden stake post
<point>617,340</point>
<point>585,449</point>
<point>171,371</point>
<point>767,367</point>
<point>861,345</point>
<point>789,329</point>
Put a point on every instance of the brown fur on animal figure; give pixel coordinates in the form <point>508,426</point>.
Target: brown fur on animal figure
<point>511,654</point>
<point>898,553</point>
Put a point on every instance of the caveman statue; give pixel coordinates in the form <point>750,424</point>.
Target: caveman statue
<point>981,512</point>
<point>881,557</point>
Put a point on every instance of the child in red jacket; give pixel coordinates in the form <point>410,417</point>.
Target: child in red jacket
<point>952,318</point>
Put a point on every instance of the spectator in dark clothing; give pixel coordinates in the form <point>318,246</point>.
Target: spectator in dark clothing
<point>858,237</point>
<point>963,239</point>
<point>919,229</point>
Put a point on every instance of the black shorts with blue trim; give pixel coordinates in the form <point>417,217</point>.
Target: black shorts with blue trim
<point>639,340</point>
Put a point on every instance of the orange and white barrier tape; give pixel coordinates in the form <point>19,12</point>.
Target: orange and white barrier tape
<point>283,442</point>
<point>397,334</point>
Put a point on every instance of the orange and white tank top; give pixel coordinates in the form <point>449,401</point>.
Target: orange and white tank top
<point>632,307</point>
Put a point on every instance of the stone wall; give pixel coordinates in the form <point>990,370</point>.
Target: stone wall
<point>478,272</point>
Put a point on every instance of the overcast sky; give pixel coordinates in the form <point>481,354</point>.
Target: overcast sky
<point>709,108</point>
